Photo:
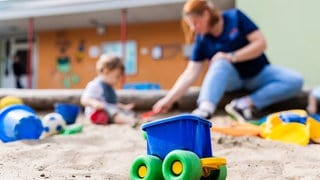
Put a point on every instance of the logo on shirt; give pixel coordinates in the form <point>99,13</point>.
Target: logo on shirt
<point>233,33</point>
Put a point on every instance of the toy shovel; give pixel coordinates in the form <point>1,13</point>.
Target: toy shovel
<point>147,115</point>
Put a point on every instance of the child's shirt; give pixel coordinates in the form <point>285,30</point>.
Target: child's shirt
<point>101,91</point>
<point>316,93</point>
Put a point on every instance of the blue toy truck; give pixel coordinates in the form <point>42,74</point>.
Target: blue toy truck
<point>178,148</point>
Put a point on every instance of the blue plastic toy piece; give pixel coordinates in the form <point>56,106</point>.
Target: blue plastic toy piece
<point>291,117</point>
<point>315,116</point>
<point>142,86</point>
<point>19,122</point>
<point>185,132</point>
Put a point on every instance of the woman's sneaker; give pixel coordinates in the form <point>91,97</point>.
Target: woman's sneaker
<point>202,113</point>
<point>241,115</point>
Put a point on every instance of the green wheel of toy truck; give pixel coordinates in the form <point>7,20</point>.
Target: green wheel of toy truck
<point>220,174</point>
<point>146,167</point>
<point>181,164</point>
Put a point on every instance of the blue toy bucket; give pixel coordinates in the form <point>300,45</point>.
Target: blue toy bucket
<point>186,132</point>
<point>19,122</point>
<point>69,112</point>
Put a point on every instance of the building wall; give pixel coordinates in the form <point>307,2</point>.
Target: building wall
<point>164,71</point>
<point>291,28</point>
<point>2,60</point>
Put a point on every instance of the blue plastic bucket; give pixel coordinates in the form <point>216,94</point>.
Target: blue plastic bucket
<point>69,112</point>
<point>19,122</point>
<point>186,132</point>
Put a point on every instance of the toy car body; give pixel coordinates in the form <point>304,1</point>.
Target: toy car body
<point>178,147</point>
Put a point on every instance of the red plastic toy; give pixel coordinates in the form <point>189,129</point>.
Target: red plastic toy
<point>99,117</point>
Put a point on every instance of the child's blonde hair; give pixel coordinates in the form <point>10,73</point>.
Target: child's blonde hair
<point>109,62</point>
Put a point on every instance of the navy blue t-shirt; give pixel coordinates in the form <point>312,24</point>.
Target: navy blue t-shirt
<point>236,28</point>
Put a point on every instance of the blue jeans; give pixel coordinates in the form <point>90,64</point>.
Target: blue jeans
<point>271,85</point>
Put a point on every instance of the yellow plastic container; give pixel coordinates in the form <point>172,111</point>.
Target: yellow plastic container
<point>272,121</point>
<point>314,127</point>
<point>9,100</point>
<point>293,133</point>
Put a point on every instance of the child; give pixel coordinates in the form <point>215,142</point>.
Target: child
<point>99,97</point>
<point>314,97</point>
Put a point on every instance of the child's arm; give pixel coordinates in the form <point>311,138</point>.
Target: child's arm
<point>312,104</point>
<point>91,94</point>
<point>126,106</point>
<point>313,99</point>
<point>91,102</point>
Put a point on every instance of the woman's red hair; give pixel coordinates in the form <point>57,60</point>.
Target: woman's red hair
<point>198,7</point>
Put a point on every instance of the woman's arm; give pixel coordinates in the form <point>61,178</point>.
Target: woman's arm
<point>185,80</point>
<point>257,45</point>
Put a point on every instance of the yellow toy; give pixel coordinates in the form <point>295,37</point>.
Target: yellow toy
<point>292,126</point>
<point>9,100</point>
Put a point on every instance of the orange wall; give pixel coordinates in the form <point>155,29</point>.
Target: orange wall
<point>164,71</point>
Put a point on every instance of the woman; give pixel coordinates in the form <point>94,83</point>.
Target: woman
<point>17,71</point>
<point>235,48</point>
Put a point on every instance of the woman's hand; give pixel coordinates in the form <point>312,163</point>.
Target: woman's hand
<point>185,80</point>
<point>162,106</point>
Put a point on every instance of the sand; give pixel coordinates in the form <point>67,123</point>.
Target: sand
<point>106,152</point>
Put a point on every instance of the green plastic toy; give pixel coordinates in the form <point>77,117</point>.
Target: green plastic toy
<point>72,129</point>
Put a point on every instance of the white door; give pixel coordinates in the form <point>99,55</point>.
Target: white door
<point>7,75</point>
